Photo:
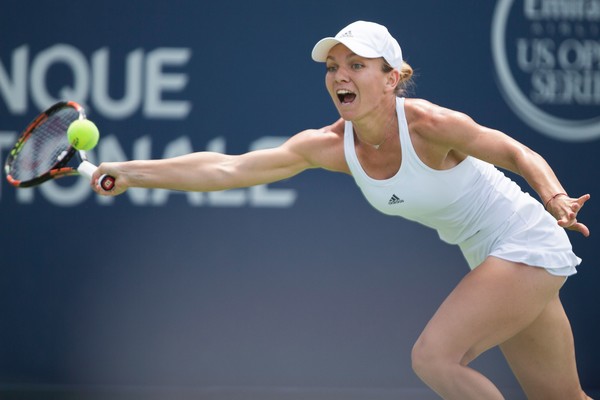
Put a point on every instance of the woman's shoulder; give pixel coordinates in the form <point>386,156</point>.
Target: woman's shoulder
<point>337,128</point>
<point>323,147</point>
<point>420,109</point>
<point>421,115</point>
<point>332,132</point>
<point>424,116</point>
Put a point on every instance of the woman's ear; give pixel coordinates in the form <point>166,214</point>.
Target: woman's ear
<point>393,79</point>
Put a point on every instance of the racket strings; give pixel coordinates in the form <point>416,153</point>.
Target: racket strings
<point>45,146</point>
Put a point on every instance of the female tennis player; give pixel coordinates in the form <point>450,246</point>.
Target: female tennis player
<point>429,164</point>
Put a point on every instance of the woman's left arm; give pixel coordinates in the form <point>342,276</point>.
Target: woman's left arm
<point>460,133</point>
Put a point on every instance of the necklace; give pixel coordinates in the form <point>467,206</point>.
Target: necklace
<point>375,146</point>
<point>386,133</point>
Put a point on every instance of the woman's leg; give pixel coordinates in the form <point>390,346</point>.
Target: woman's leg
<point>542,356</point>
<point>492,304</point>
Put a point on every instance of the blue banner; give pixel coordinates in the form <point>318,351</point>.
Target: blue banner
<point>297,289</point>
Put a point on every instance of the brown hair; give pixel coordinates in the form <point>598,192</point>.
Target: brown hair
<point>406,73</point>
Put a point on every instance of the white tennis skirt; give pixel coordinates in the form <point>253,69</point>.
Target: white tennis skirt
<point>530,236</point>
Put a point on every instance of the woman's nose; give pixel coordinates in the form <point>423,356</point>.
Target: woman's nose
<point>341,75</point>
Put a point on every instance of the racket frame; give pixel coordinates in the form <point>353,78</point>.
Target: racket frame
<point>60,168</point>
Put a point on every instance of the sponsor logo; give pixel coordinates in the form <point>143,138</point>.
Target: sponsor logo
<point>395,200</point>
<point>154,86</point>
<point>63,71</point>
<point>547,58</point>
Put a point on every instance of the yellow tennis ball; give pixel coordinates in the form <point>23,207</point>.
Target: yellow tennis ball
<point>83,134</point>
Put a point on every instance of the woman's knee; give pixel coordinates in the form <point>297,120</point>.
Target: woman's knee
<point>426,360</point>
<point>430,357</point>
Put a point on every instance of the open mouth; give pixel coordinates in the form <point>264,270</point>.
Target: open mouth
<point>345,96</point>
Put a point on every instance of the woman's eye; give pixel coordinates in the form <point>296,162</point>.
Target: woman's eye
<point>331,68</point>
<point>357,66</point>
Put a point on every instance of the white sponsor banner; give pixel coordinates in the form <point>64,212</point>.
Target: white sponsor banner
<point>549,72</point>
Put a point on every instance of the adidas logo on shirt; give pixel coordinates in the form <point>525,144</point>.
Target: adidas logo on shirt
<point>395,200</point>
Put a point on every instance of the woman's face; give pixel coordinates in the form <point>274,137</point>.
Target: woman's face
<point>357,85</point>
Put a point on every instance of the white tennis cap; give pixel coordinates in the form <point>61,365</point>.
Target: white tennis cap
<point>366,39</point>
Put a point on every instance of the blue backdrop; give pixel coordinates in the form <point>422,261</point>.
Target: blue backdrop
<point>296,290</point>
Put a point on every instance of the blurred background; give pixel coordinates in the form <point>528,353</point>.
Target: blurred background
<point>296,290</point>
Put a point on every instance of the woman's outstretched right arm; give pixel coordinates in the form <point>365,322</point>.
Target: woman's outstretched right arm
<point>209,171</point>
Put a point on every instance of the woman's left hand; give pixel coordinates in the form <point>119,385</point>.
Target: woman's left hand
<point>565,209</point>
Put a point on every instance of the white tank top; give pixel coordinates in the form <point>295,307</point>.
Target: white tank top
<point>457,202</point>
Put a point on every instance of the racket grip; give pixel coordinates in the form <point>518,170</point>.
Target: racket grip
<point>87,169</point>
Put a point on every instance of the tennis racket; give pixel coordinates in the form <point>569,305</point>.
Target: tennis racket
<point>43,151</point>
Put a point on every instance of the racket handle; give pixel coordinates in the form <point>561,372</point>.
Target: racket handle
<point>87,169</point>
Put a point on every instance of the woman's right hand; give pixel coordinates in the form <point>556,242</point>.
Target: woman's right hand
<point>110,169</point>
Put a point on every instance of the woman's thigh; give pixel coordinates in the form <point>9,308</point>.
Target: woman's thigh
<point>492,303</point>
<point>542,356</point>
